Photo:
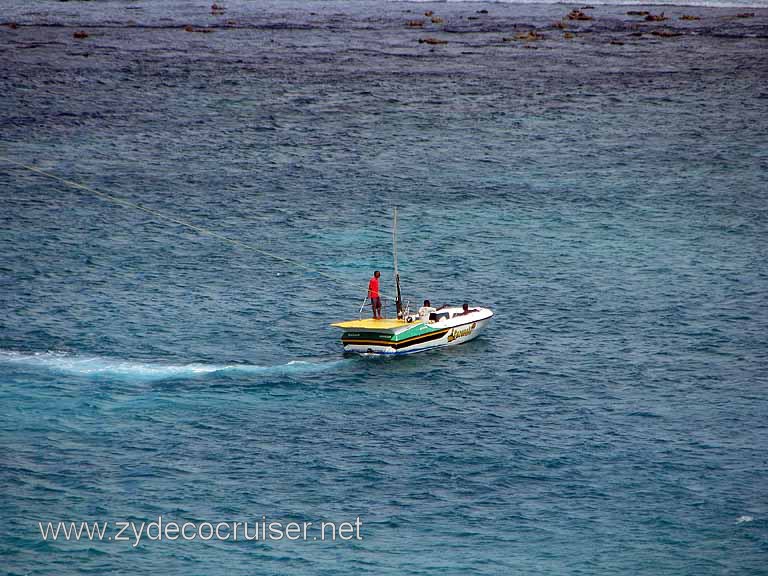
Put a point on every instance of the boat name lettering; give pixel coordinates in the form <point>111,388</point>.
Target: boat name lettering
<point>459,332</point>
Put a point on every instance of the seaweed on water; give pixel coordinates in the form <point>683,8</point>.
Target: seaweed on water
<point>578,15</point>
<point>433,41</point>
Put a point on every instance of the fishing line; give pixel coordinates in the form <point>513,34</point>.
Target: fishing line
<point>198,229</point>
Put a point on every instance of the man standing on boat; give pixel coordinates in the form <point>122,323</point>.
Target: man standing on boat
<point>373,294</point>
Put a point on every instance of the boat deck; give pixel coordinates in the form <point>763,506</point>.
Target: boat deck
<point>370,323</point>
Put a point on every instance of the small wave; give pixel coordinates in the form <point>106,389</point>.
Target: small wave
<point>742,519</point>
<point>67,363</point>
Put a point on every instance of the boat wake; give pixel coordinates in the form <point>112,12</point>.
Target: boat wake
<point>63,362</point>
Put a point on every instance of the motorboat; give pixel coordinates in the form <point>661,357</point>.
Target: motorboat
<point>447,326</point>
<point>408,333</point>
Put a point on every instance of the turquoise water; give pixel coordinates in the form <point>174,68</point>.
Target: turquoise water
<point>607,201</point>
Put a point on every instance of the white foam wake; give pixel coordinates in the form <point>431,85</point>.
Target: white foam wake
<point>64,362</point>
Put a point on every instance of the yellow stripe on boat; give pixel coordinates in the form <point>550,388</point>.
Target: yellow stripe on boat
<point>370,323</point>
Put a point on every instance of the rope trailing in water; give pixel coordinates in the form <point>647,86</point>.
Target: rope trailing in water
<point>198,229</point>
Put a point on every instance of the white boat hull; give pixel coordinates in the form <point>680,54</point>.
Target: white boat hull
<point>399,337</point>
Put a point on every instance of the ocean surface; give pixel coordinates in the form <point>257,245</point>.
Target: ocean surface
<point>602,188</point>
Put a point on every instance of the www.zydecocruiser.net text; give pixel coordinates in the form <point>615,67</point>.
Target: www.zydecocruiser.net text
<point>262,530</point>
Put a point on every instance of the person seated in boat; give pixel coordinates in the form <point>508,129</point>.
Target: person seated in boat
<point>466,310</point>
<point>426,312</point>
<point>375,295</point>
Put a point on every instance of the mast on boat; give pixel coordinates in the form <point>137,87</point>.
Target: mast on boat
<point>399,300</point>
